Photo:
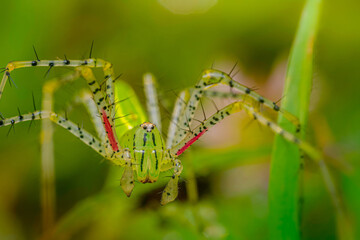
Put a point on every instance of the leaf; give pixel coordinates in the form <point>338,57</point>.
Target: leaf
<point>285,165</point>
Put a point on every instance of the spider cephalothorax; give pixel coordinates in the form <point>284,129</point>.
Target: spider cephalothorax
<point>147,150</point>
<point>148,126</point>
<point>132,139</point>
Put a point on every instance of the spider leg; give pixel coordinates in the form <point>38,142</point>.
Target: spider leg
<point>127,181</point>
<point>211,78</point>
<point>90,62</point>
<point>104,102</point>
<point>109,78</point>
<point>47,150</point>
<point>179,109</point>
<point>72,127</point>
<point>218,94</point>
<point>86,99</point>
<point>171,190</point>
<point>235,107</point>
<point>104,109</point>
<point>152,99</point>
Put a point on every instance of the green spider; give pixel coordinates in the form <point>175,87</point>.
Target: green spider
<point>134,141</point>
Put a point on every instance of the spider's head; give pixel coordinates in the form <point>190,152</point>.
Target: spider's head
<point>148,126</point>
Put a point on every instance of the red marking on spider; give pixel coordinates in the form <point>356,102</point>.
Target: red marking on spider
<point>110,132</point>
<point>190,142</point>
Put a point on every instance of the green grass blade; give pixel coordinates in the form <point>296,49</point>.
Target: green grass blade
<point>285,165</point>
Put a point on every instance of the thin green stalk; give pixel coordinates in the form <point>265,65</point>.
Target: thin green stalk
<point>285,165</point>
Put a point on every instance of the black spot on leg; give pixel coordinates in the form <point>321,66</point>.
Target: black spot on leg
<point>66,62</point>
<point>1,122</point>
<point>96,90</point>
<point>51,64</point>
<point>247,90</point>
<point>276,107</point>
<point>92,83</point>
<point>168,193</point>
<point>33,63</point>
<point>301,166</point>
<point>261,99</point>
<point>231,84</point>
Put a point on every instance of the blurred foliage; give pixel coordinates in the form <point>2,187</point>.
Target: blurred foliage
<point>176,42</point>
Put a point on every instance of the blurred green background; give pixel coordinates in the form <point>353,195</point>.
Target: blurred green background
<point>176,40</point>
